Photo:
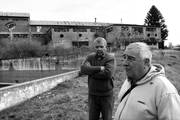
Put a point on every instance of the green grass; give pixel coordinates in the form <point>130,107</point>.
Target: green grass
<point>171,62</point>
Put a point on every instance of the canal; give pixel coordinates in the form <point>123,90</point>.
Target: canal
<point>50,68</point>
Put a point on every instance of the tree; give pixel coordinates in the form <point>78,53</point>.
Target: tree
<point>154,18</point>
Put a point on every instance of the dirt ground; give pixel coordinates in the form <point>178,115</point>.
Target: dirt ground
<point>68,101</point>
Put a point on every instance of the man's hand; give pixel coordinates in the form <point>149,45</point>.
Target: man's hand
<point>102,68</point>
<point>86,63</point>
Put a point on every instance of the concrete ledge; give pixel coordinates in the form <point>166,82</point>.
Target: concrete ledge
<point>15,94</point>
<point>6,84</point>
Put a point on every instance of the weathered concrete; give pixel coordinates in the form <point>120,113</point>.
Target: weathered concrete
<point>44,63</point>
<point>13,95</point>
<point>6,84</point>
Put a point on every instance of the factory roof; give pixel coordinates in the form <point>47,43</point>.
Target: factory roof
<point>68,23</point>
<point>14,14</point>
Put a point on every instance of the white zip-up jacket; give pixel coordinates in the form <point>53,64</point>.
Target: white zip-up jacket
<point>155,98</point>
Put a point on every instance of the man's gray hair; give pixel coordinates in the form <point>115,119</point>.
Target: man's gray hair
<point>100,40</point>
<point>141,49</point>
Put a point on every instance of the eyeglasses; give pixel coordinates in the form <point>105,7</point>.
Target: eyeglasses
<point>99,47</point>
<point>129,58</point>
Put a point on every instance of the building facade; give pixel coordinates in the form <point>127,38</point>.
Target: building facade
<point>121,35</point>
<point>14,26</point>
<point>17,26</point>
<point>65,32</point>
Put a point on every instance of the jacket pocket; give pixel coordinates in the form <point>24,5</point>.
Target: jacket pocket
<point>145,111</point>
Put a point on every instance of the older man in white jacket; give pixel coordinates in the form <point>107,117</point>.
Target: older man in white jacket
<point>146,94</point>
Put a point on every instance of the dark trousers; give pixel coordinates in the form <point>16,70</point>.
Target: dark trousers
<point>100,104</point>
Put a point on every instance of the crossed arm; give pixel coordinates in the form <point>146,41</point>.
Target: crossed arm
<point>99,72</point>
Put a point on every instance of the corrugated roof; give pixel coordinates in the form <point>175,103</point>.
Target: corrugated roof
<point>14,14</point>
<point>67,23</point>
<point>128,25</point>
<point>76,23</point>
<point>131,25</point>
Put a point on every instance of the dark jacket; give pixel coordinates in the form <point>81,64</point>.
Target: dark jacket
<point>99,82</point>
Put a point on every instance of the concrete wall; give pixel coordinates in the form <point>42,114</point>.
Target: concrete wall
<point>28,64</point>
<point>13,95</point>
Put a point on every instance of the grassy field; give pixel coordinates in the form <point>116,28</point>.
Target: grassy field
<point>170,59</point>
<point>68,101</point>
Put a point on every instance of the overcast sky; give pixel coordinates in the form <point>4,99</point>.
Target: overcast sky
<point>109,11</point>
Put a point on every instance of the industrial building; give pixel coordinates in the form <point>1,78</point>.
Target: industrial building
<point>17,26</point>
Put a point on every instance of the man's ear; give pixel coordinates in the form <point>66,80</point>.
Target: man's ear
<point>106,48</point>
<point>147,62</point>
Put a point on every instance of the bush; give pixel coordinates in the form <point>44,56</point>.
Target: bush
<point>22,49</point>
<point>86,49</point>
<point>60,51</point>
<point>3,43</point>
<point>27,48</point>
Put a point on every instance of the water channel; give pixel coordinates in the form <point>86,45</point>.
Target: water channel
<point>23,70</point>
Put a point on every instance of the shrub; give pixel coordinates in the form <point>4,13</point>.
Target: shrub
<point>30,48</point>
<point>60,51</point>
<point>22,49</point>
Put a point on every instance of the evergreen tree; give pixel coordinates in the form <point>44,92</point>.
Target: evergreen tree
<point>154,18</point>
